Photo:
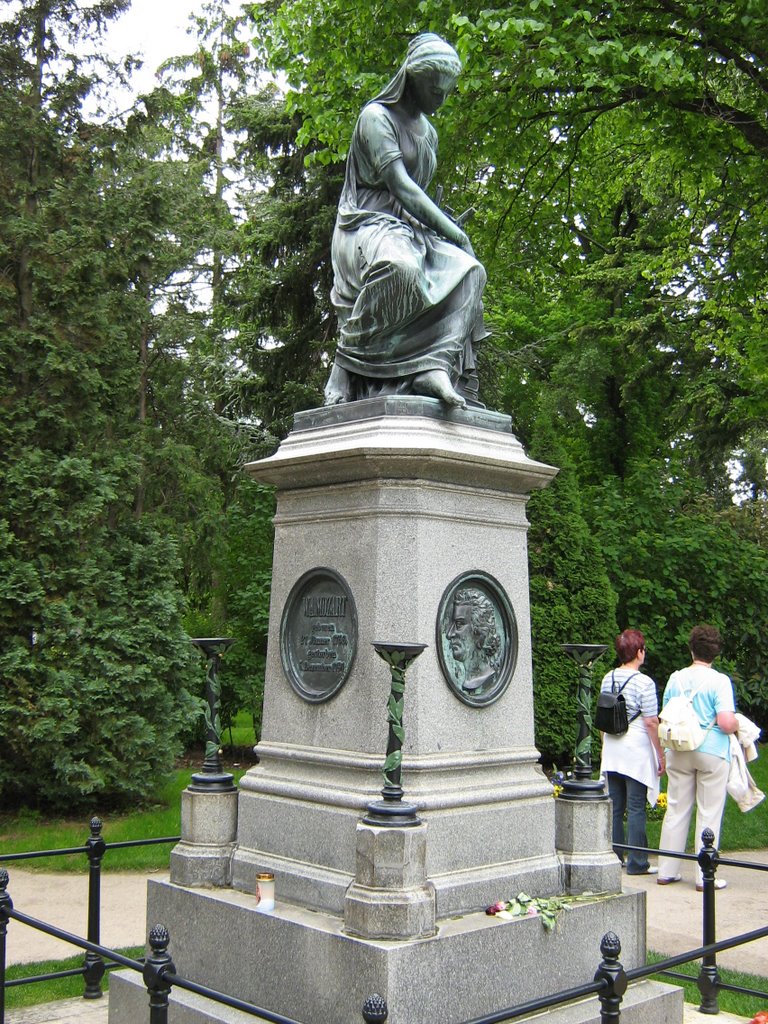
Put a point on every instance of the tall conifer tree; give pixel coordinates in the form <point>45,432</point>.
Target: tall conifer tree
<point>93,658</point>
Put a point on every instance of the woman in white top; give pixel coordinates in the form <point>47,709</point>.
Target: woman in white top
<point>633,762</point>
<point>699,776</point>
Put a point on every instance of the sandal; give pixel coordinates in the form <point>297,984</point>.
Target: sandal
<point>668,881</point>
<point>720,883</point>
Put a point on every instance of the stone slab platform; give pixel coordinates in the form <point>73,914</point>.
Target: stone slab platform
<point>300,964</point>
<point>77,1011</point>
<point>646,1002</point>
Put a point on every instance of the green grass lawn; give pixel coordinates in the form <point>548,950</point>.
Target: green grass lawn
<point>23,832</point>
<point>241,733</point>
<point>729,1002</point>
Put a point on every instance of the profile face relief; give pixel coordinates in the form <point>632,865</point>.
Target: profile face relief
<point>473,638</point>
<point>459,633</point>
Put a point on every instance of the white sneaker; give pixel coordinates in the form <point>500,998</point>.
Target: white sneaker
<point>720,883</point>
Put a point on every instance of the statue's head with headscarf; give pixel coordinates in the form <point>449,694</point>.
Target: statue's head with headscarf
<point>427,54</point>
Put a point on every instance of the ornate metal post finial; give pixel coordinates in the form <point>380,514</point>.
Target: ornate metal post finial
<point>612,973</point>
<point>94,964</point>
<point>392,810</point>
<point>708,980</point>
<point>156,967</point>
<point>212,778</point>
<point>583,786</point>
<point>375,1009</point>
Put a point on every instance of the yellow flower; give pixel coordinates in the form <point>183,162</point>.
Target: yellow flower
<point>661,803</point>
<point>557,790</point>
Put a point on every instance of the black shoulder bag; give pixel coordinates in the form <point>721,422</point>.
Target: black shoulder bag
<point>611,711</point>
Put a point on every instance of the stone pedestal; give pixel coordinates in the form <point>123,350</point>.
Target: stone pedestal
<point>390,503</point>
<point>208,834</point>
<point>399,499</point>
<point>583,840</point>
<point>300,964</point>
<point>390,897</point>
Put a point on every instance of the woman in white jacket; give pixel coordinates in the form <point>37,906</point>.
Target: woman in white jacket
<point>633,762</point>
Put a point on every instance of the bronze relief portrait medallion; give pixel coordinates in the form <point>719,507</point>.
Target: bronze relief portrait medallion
<point>476,638</point>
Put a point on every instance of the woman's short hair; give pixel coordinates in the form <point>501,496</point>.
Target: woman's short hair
<point>705,642</point>
<point>628,644</point>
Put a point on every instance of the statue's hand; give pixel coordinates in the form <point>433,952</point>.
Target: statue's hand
<point>459,238</point>
<point>462,218</point>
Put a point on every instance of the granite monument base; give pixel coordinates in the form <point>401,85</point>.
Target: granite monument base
<point>583,838</point>
<point>391,515</point>
<point>301,964</point>
<point>390,897</point>
<point>381,508</point>
<point>647,1002</point>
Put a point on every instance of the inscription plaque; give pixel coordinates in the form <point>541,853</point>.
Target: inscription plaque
<point>476,638</point>
<point>318,635</point>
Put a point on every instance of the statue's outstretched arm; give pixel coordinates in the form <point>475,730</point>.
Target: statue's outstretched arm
<point>416,201</point>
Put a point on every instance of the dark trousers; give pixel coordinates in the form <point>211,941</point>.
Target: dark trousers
<point>629,795</point>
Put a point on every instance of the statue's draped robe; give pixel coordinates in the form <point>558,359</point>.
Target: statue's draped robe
<point>407,300</point>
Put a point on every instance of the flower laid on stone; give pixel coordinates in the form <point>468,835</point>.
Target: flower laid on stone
<point>545,907</point>
<point>495,908</point>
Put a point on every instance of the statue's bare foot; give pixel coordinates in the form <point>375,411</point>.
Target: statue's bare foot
<point>337,389</point>
<point>437,384</point>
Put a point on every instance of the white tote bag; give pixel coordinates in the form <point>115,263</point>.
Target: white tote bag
<point>679,726</point>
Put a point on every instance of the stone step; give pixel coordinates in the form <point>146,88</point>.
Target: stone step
<point>691,1015</point>
<point>95,1011</point>
<point>646,1002</point>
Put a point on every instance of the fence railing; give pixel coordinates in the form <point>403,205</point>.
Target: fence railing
<point>95,849</point>
<point>158,971</point>
<point>708,981</point>
<point>159,975</point>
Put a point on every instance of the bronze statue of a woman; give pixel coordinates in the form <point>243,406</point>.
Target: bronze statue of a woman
<point>407,287</point>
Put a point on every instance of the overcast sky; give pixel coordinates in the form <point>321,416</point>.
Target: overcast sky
<point>155,30</point>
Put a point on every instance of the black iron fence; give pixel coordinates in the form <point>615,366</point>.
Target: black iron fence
<point>708,981</point>
<point>94,966</point>
<point>158,971</point>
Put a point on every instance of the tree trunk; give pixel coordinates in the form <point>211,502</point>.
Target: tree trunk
<point>24,277</point>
